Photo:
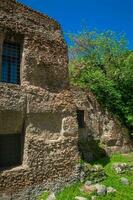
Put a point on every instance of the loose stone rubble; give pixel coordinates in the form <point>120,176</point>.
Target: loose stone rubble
<point>110,190</point>
<point>101,189</point>
<point>122,167</point>
<point>88,188</point>
<point>124,181</point>
<point>93,197</point>
<point>43,109</point>
<point>51,197</point>
<point>92,173</point>
<point>80,198</point>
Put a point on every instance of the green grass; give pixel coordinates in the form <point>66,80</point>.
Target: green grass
<point>69,193</point>
<point>113,179</point>
<point>123,192</point>
<point>44,196</point>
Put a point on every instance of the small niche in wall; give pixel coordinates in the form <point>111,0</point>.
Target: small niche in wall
<point>80,118</point>
<point>10,150</point>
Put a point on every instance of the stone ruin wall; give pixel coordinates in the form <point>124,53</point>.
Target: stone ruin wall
<point>43,108</point>
<point>44,57</point>
<point>48,123</point>
<point>102,131</point>
<point>50,151</point>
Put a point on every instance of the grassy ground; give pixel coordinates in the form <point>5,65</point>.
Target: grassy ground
<point>43,196</point>
<point>123,192</point>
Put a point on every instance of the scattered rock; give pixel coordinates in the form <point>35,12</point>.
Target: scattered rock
<point>94,173</point>
<point>88,188</point>
<point>51,197</point>
<point>111,190</point>
<point>131,167</point>
<point>88,183</point>
<point>101,189</point>
<point>124,181</point>
<point>80,198</point>
<point>82,176</point>
<point>120,167</point>
<point>93,197</point>
<point>97,168</point>
<point>5,196</point>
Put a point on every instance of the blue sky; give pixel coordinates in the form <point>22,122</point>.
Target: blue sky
<point>116,15</point>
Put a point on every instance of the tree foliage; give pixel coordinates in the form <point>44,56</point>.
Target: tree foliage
<point>103,63</point>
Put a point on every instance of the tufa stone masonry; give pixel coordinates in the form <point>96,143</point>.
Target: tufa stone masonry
<point>45,125</point>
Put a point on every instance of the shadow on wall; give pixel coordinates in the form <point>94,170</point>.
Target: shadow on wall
<point>90,149</point>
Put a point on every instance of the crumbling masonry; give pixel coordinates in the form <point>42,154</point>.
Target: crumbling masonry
<point>42,119</point>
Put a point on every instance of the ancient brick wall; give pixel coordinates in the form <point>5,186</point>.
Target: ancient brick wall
<point>49,150</point>
<point>103,134</point>
<point>47,121</point>
<point>44,52</point>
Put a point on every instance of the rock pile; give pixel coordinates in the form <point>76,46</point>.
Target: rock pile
<point>122,167</point>
<point>93,173</point>
<point>99,189</point>
<point>124,181</point>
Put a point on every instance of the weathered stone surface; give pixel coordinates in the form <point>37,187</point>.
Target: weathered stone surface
<point>103,132</point>
<point>12,98</point>
<point>93,197</point>
<point>44,50</point>
<point>93,173</point>
<point>41,108</point>
<point>124,181</point>
<point>12,108</point>
<point>120,167</point>
<point>51,197</point>
<point>101,189</point>
<point>110,190</point>
<point>80,198</point>
<point>88,188</point>
<point>88,183</point>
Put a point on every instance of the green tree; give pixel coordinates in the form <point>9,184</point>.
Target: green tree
<point>103,63</point>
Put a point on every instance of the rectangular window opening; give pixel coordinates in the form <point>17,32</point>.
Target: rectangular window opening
<point>80,118</point>
<point>11,62</point>
<point>10,150</point>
